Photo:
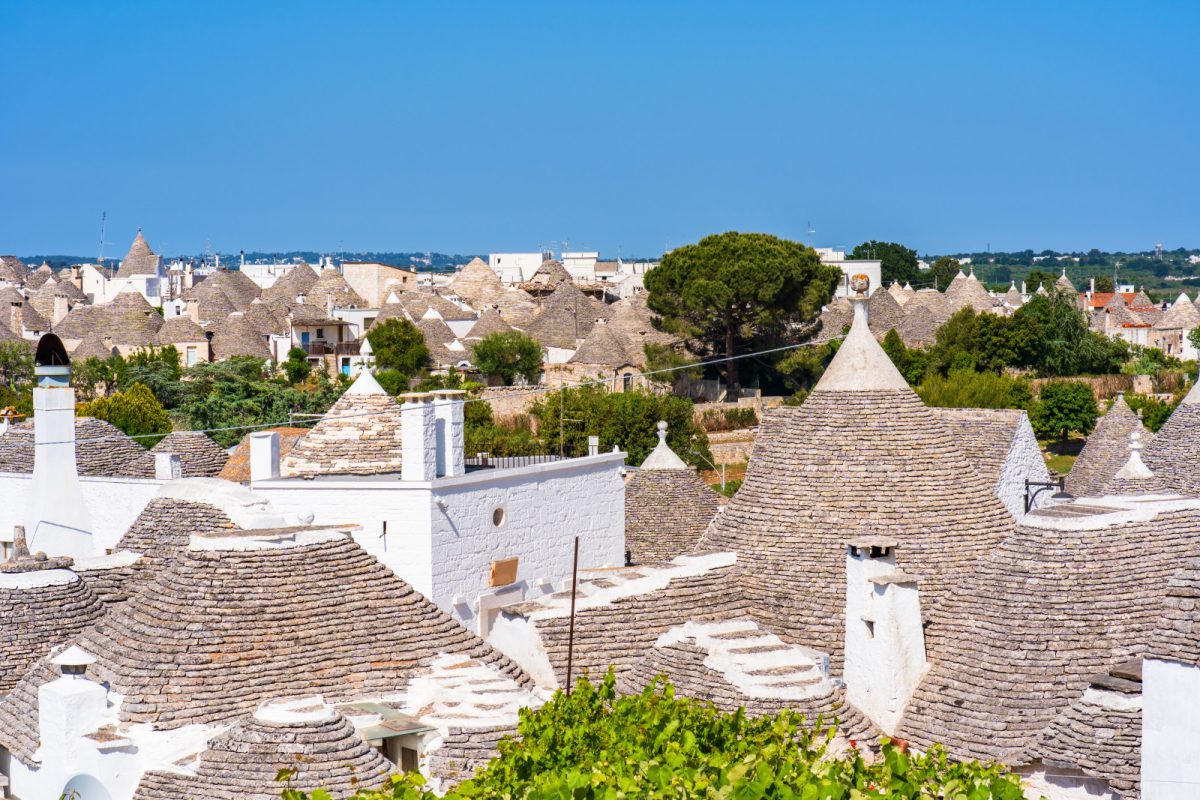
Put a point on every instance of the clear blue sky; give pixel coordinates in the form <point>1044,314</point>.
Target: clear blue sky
<point>469,127</point>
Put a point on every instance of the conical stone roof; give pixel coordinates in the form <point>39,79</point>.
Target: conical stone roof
<point>602,347</point>
<point>234,336</point>
<point>667,506</point>
<point>180,330</point>
<point>550,273</point>
<point>239,618</point>
<point>93,346</point>
<point>359,435</point>
<point>1182,315</point>
<point>862,455</point>
<point>42,604</point>
<point>320,744</point>
<point>1105,451</point>
<point>331,290</point>
<point>489,322</point>
<point>199,456</point>
<point>38,277</point>
<point>886,314</point>
<point>101,450</point>
<point>477,284</point>
<point>140,260</point>
<point>1172,454</point>
<point>298,281</point>
<point>13,269</point>
<point>565,319</point>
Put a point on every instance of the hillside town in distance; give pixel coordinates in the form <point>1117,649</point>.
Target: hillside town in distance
<point>348,519</point>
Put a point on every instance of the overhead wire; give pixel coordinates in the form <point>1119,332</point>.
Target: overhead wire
<point>535,390</point>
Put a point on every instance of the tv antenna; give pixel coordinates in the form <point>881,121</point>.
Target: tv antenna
<point>810,233</point>
<point>103,227</point>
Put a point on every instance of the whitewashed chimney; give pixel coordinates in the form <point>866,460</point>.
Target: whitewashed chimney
<point>418,437</point>
<point>167,467</point>
<point>885,641</point>
<point>69,708</point>
<point>448,413</point>
<point>56,516</point>
<point>264,456</point>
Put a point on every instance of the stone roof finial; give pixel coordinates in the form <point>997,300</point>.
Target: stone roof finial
<point>860,363</point>
<point>20,546</point>
<point>662,456</point>
<point>1135,467</point>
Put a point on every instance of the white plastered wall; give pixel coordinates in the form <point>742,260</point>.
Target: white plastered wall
<point>1170,730</point>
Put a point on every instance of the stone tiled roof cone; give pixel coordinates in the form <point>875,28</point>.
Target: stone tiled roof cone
<point>359,435</point>
<point>863,454</point>
<point>306,735</point>
<point>1105,451</point>
<point>477,284</point>
<point>667,506</point>
<point>199,456</point>
<point>140,260</point>
<point>1172,454</point>
<point>239,617</point>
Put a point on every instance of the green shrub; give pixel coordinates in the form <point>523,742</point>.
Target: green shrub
<point>966,388</point>
<point>135,412</point>
<point>728,419</point>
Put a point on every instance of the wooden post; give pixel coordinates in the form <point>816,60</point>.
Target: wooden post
<point>571,629</point>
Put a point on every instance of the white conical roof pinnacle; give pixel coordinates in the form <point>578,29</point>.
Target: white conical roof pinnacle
<point>1135,467</point>
<point>662,456</point>
<point>365,383</point>
<point>860,364</point>
<point>1193,396</point>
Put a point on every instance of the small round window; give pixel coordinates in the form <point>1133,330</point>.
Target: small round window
<point>498,516</point>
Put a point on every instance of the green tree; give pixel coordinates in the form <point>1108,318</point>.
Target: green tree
<point>1155,412</point>
<point>1037,278</point>
<point>912,363</point>
<point>1194,337</point>
<point>898,263</point>
<point>966,388</point>
<point>159,369</point>
<point>732,289</point>
<point>666,364</point>
<point>509,354</point>
<point>1104,283</point>
<point>16,363</point>
<point>238,392</point>
<point>626,419</point>
<point>944,269</point>
<point>1063,408</point>
<point>134,411</point>
<point>399,346</point>
<point>98,377</point>
<point>296,366</point>
<point>1068,346</point>
<point>594,743</point>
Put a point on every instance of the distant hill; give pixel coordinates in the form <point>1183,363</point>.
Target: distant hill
<point>424,262</point>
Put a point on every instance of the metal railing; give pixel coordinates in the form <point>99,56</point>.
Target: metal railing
<point>489,461</point>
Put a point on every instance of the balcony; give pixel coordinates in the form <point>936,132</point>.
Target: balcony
<point>320,347</point>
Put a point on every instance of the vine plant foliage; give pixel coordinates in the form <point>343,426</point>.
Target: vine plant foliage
<point>598,745</point>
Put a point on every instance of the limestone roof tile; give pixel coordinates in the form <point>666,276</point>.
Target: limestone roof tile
<point>359,435</point>
<point>199,456</point>
<point>101,450</point>
<point>140,260</point>
<point>1105,451</point>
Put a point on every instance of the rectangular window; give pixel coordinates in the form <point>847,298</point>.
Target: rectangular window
<point>191,356</point>
<point>320,333</point>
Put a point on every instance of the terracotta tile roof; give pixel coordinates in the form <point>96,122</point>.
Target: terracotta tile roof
<point>237,466</point>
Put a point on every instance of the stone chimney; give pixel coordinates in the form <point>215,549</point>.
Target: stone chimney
<point>885,641</point>
<point>16,318</point>
<point>264,456</point>
<point>193,310</point>
<point>61,308</point>
<point>418,437</point>
<point>448,412</point>
<point>56,516</point>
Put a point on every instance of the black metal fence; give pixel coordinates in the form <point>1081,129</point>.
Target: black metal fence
<point>488,461</point>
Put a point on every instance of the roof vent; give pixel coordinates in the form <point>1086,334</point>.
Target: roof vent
<point>73,661</point>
